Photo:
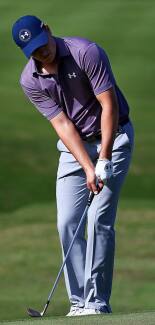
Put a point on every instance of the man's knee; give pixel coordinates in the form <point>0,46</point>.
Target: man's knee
<point>67,224</point>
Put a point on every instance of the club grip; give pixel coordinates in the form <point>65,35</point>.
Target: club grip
<point>90,198</point>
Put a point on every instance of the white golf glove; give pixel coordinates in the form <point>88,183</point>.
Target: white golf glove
<point>104,169</point>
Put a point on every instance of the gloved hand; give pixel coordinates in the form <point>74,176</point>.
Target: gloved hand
<point>104,169</point>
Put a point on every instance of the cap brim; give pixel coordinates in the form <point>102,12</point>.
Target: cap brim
<point>40,40</point>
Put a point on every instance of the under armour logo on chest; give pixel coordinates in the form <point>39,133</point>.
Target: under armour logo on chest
<point>73,75</point>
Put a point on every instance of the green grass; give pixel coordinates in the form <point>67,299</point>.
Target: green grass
<point>27,141</point>
<point>30,253</point>
<point>127,319</point>
<point>30,258</point>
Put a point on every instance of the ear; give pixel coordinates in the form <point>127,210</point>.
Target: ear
<point>48,29</point>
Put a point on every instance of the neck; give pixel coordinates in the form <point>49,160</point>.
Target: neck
<point>48,68</point>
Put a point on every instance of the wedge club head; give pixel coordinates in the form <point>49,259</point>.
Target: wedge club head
<point>34,313</point>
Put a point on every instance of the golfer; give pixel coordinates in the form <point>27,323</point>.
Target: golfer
<point>70,82</point>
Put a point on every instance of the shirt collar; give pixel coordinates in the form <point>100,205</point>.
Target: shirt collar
<point>62,51</point>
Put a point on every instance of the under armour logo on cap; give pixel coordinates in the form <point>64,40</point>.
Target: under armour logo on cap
<point>24,35</point>
<point>29,33</point>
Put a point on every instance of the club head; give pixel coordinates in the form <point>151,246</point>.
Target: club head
<point>34,313</point>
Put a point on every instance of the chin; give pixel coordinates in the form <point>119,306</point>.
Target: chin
<point>49,60</point>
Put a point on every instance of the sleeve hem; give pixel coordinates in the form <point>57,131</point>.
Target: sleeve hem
<point>103,89</point>
<point>51,116</point>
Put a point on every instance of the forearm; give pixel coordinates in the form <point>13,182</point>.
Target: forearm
<point>109,125</point>
<point>109,121</point>
<point>72,140</point>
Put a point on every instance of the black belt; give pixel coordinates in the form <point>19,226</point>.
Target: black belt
<point>124,121</point>
<point>97,136</point>
<point>92,138</point>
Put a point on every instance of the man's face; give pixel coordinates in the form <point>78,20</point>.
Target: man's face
<point>46,54</point>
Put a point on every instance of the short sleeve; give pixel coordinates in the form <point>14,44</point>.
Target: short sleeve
<point>44,104</point>
<point>97,68</point>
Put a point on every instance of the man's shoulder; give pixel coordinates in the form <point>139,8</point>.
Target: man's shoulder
<point>78,48</point>
<point>77,42</point>
<point>26,78</point>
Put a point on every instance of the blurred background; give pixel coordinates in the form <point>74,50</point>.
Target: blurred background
<point>30,254</point>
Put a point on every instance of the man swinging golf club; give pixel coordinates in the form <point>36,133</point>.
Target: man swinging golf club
<point>71,83</point>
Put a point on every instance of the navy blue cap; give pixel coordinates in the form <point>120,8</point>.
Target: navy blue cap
<point>29,33</point>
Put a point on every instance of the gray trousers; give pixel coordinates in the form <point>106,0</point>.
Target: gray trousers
<point>89,269</point>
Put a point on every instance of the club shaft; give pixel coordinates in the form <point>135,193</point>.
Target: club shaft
<point>91,195</point>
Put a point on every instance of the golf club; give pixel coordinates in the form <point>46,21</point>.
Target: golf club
<point>35,313</point>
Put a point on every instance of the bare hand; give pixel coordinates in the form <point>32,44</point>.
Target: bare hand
<point>94,185</point>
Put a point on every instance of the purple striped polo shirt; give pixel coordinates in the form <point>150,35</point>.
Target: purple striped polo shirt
<point>83,72</point>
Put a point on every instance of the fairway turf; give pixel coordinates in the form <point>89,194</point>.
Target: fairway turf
<point>30,254</point>
<point>28,143</point>
<point>30,260</point>
<point>128,319</point>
